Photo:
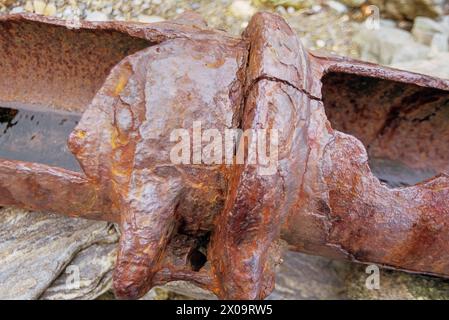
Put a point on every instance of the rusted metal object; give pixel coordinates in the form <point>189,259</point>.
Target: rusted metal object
<point>363,149</point>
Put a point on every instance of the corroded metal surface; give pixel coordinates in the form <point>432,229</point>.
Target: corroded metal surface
<point>223,227</point>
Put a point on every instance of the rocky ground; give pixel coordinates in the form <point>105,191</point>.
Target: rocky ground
<point>40,253</point>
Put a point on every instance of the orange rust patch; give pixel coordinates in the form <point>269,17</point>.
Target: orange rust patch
<point>121,84</point>
<point>216,64</point>
<point>81,134</point>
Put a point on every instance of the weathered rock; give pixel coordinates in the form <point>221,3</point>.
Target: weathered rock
<point>440,43</point>
<point>50,9</point>
<point>425,30</point>
<point>309,277</point>
<point>95,265</point>
<point>438,66</point>
<point>39,6</point>
<point>337,6</point>
<point>299,277</point>
<point>388,45</point>
<point>97,16</point>
<point>388,23</point>
<point>35,249</point>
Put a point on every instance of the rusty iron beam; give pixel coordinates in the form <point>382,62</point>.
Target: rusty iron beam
<point>363,151</point>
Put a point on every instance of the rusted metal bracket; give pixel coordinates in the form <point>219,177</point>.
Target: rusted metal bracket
<point>362,161</point>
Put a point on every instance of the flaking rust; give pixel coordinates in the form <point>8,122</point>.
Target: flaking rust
<point>363,151</point>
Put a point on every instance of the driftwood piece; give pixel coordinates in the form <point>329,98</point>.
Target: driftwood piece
<point>371,194</point>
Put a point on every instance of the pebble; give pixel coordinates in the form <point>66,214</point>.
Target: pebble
<point>17,10</point>
<point>337,6</point>
<point>97,16</point>
<point>29,6</point>
<point>440,43</point>
<point>195,6</point>
<point>149,19</point>
<point>291,10</point>
<point>67,13</point>
<point>320,43</point>
<point>119,18</point>
<point>107,10</point>
<point>50,9</point>
<point>437,66</point>
<point>242,9</point>
<point>387,23</point>
<point>431,33</point>
<point>445,21</point>
<point>316,8</point>
<point>281,10</point>
<point>427,24</point>
<point>39,6</point>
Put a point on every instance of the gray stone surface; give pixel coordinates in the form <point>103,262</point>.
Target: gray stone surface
<point>388,45</point>
<point>35,248</point>
<point>431,33</point>
<point>95,265</point>
<point>438,66</point>
<point>309,277</point>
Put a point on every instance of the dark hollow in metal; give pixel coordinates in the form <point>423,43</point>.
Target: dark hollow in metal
<point>404,127</point>
<point>36,135</point>
<point>50,68</point>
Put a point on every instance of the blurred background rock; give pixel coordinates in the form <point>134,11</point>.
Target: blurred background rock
<point>39,251</point>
